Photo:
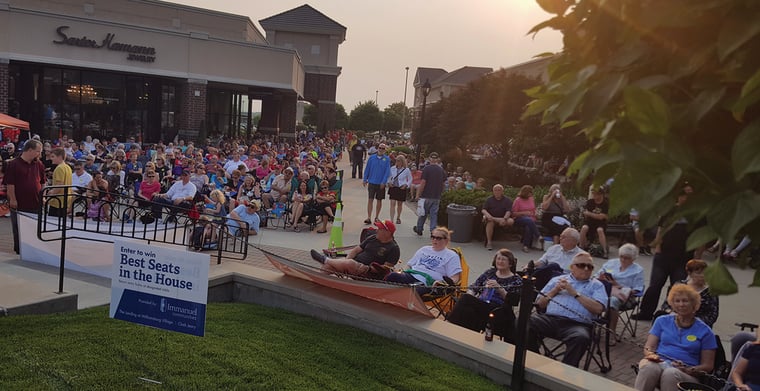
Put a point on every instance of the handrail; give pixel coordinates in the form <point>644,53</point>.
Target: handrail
<point>110,222</point>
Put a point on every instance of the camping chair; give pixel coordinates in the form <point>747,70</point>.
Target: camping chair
<point>503,320</point>
<point>630,307</point>
<point>443,302</point>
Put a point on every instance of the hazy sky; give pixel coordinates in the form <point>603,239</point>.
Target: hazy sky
<point>384,37</point>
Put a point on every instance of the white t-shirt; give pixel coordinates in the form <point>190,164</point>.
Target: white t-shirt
<point>81,180</point>
<point>436,264</point>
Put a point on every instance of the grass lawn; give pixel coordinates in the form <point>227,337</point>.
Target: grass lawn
<point>246,347</point>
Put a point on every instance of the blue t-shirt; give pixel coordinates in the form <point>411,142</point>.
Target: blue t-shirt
<point>252,219</point>
<point>682,344</point>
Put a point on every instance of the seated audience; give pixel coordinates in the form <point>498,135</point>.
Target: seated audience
<point>625,276</point>
<point>496,213</point>
<point>595,219</point>
<point>430,264</point>
<point>564,252</point>
<point>488,293</point>
<point>180,195</point>
<point>679,346</point>
<point>709,307</point>
<point>571,302</point>
<point>98,197</point>
<point>214,203</point>
<point>554,207</point>
<point>280,188</point>
<point>524,214</point>
<point>746,373</point>
<point>247,212</point>
<point>379,248</point>
<point>325,204</point>
<point>300,200</point>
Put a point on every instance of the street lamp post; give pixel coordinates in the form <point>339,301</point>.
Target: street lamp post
<point>425,91</point>
<point>376,91</point>
<point>403,113</point>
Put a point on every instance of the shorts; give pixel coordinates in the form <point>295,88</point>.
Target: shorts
<point>375,191</point>
<point>397,194</point>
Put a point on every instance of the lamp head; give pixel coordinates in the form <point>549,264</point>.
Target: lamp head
<point>426,87</point>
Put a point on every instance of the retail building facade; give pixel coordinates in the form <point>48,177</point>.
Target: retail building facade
<point>142,68</point>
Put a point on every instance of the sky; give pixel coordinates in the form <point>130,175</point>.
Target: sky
<point>384,37</point>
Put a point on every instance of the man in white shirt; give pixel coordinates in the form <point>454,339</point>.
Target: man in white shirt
<point>179,196</point>
<point>80,177</point>
<point>564,252</point>
<point>233,163</point>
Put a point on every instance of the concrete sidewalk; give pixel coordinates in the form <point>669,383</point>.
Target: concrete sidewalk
<point>23,282</point>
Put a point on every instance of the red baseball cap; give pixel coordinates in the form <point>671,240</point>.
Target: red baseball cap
<point>386,225</point>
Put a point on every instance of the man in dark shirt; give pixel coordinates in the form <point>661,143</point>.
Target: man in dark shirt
<point>24,176</point>
<point>380,248</point>
<point>358,152</point>
<point>430,190</point>
<point>595,219</point>
<point>496,212</point>
<point>670,258</point>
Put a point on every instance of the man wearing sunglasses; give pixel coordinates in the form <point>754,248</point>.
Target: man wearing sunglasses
<point>571,302</point>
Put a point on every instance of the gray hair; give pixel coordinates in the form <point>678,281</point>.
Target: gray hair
<point>628,250</point>
<point>573,234</point>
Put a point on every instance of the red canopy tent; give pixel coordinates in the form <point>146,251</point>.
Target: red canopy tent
<point>6,121</point>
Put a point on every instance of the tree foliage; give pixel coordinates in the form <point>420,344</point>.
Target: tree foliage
<point>310,113</point>
<point>366,116</point>
<point>667,92</point>
<point>341,118</point>
<point>392,116</point>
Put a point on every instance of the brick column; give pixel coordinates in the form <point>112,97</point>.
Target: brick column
<point>288,110</point>
<point>192,103</point>
<point>4,92</point>
<point>269,123</point>
<point>320,89</point>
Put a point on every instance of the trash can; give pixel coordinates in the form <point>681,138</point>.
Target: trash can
<point>461,220</point>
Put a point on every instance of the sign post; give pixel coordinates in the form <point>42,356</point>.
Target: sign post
<point>159,287</point>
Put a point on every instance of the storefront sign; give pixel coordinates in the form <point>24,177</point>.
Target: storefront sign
<point>159,287</point>
<point>134,52</point>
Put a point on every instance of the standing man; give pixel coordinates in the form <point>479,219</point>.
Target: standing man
<point>376,175</point>
<point>62,176</point>
<point>358,152</point>
<point>25,176</point>
<point>496,212</point>
<point>670,257</point>
<point>429,191</point>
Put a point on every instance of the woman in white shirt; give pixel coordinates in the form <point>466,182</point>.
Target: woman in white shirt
<point>398,185</point>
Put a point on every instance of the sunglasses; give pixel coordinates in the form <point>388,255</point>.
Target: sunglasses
<point>587,266</point>
<point>433,237</point>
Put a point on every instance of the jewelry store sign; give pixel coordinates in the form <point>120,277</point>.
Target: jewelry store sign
<point>134,52</point>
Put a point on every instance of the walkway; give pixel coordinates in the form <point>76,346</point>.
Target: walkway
<point>22,281</point>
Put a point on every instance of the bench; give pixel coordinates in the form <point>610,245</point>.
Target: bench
<point>623,232</point>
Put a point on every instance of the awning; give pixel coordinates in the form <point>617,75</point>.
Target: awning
<point>7,121</point>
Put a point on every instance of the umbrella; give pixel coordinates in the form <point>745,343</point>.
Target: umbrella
<point>11,122</point>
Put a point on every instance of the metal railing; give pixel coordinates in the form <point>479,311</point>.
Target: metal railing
<point>116,214</point>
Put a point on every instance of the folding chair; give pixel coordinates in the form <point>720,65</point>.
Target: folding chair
<point>630,307</point>
<point>598,350</point>
<point>444,302</point>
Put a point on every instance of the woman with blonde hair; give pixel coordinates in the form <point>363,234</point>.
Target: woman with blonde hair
<point>398,184</point>
<point>679,347</point>
<point>215,203</point>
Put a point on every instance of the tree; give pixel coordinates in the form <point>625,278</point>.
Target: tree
<point>341,118</point>
<point>667,92</point>
<point>392,116</point>
<point>310,113</point>
<point>366,116</point>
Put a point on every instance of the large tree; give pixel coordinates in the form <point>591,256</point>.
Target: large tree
<point>366,116</point>
<point>341,118</point>
<point>668,92</point>
<point>392,116</point>
<point>310,115</point>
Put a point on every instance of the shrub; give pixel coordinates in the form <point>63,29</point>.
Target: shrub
<point>403,149</point>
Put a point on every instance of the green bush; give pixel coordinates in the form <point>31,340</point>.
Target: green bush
<point>474,198</point>
<point>403,149</point>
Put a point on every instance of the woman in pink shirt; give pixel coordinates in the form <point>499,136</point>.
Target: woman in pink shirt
<point>524,213</point>
<point>416,180</point>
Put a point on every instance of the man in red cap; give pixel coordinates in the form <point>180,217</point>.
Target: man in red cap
<point>380,248</point>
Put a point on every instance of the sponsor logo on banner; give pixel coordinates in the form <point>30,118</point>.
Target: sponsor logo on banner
<point>159,287</point>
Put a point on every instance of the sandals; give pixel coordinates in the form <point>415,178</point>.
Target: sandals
<point>321,231</point>
<point>398,221</point>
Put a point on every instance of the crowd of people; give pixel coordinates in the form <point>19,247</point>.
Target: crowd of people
<point>238,179</point>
